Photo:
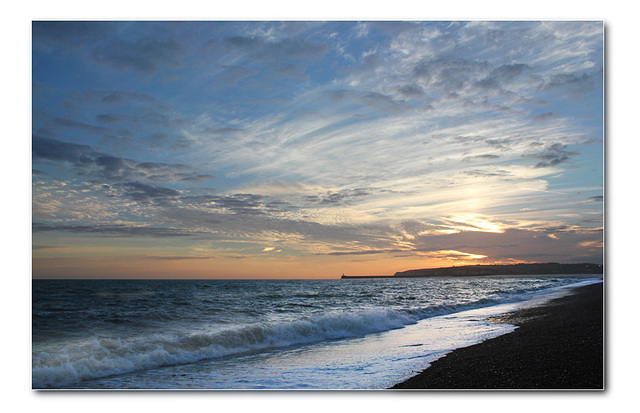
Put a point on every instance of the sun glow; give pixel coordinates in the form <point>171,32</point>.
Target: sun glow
<point>473,222</point>
<point>453,254</point>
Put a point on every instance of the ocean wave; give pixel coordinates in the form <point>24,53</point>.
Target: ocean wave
<point>101,357</point>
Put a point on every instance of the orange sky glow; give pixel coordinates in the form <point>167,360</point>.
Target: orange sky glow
<point>312,149</point>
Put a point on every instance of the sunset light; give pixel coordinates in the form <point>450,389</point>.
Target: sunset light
<point>308,149</point>
<point>315,205</point>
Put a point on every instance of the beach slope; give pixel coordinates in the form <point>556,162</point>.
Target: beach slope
<point>556,346</point>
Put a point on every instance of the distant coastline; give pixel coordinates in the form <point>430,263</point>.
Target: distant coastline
<point>548,268</point>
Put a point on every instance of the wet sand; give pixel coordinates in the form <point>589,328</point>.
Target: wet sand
<point>556,346</point>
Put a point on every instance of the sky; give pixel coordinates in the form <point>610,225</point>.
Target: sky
<point>309,149</point>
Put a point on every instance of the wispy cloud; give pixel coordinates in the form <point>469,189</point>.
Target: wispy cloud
<point>145,55</point>
<point>331,140</point>
<point>89,162</point>
<point>287,48</point>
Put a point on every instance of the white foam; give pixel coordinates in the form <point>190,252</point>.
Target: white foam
<point>102,357</point>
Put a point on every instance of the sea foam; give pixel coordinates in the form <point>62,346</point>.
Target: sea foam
<point>102,357</point>
<point>71,363</point>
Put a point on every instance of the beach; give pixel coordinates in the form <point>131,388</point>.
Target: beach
<point>556,346</point>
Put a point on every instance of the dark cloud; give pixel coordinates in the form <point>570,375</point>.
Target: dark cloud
<point>148,55</point>
<point>367,252</point>
<point>503,75</point>
<point>44,247</point>
<point>334,198</point>
<point>534,244</point>
<point>148,193</point>
<point>174,257</point>
<point>139,109</point>
<point>344,196</point>
<point>245,42</point>
<point>52,149</point>
<point>411,91</point>
<point>552,155</point>
<point>92,163</point>
<point>290,48</point>
<point>234,74</point>
<point>498,143</point>
<point>597,198</point>
<point>373,100</point>
<point>69,33</point>
<point>67,123</point>
<point>546,116</point>
<point>451,74</point>
<point>125,97</point>
<point>165,172</point>
<point>240,204</point>
<point>113,229</point>
<point>111,118</point>
<point>576,84</point>
<point>487,173</point>
<point>480,157</point>
<point>291,71</point>
<point>113,167</point>
<point>222,133</point>
<point>123,120</point>
<point>370,63</point>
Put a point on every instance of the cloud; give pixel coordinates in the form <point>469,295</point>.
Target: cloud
<point>546,116</point>
<point>147,55</point>
<point>484,156</point>
<point>45,148</point>
<point>487,172</point>
<point>144,193</point>
<point>292,71</point>
<point>552,155</point>
<point>125,96</point>
<point>576,84</point>
<point>93,163</point>
<point>443,254</point>
<point>518,244</point>
<point>120,230</point>
<point>342,197</point>
<point>450,74</point>
<point>44,247</point>
<point>174,257</point>
<point>122,120</point>
<point>411,91</point>
<point>373,100</point>
<point>69,33</point>
<point>503,75</point>
<point>239,204</point>
<point>67,123</point>
<point>427,122</point>
<point>288,48</point>
<point>221,133</point>
<point>233,74</point>
<point>367,252</point>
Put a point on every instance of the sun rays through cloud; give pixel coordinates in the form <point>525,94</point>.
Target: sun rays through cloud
<point>303,149</point>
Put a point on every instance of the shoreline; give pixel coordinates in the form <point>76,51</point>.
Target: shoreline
<point>557,346</point>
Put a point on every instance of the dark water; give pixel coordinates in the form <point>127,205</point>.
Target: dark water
<point>201,333</point>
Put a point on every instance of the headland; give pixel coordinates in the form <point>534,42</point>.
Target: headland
<point>549,268</point>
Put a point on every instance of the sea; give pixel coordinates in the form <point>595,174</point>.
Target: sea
<point>338,334</point>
